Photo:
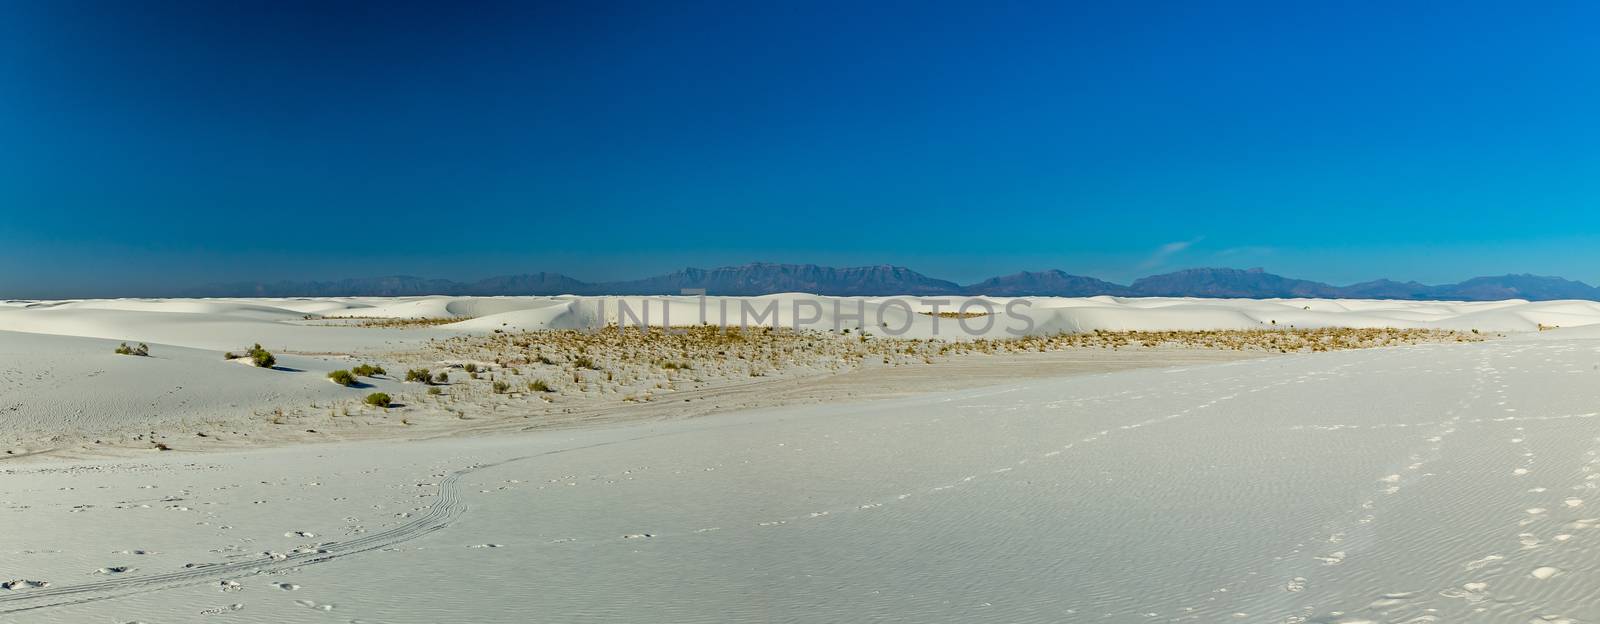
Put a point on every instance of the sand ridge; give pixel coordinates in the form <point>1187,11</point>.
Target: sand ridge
<point>485,374</point>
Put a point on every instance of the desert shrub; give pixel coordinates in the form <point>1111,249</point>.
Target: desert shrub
<point>368,370</point>
<point>261,357</point>
<point>229,356</point>
<point>434,390</point>
<point>470,367</point>
<point>500,387</point>
<point>378,399</point>
<point>141,350</point>
<point>583,361</point>
<point>419,375</point>
<point>342,377</point>
<point>538,385</point>
<point>442,377</point>
<point>545,360</point>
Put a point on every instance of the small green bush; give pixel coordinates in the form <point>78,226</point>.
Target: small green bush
<point>470,367</point>
<point>141,350</point>
<point>538,385</point>
<point>368,370</point>
<point>420,375</point>
<point>434,390</point>
<point>261,357</point>
<point>378,399</point>
<point>500,387</point>
<point>343,378</point>
<point>229,356</point>
<point>583,361</point>
<point>442,377</point>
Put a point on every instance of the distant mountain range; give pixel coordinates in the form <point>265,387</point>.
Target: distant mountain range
<point>766,278</point>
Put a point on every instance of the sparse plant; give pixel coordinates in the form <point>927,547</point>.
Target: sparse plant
<point>419,375</point>
<point>500,387</point>
<point>584,361</point>
<point>378,399</point>
<point>470,367</point>
<point>368,370</point>
<point>434,391</point>
<point>539,385</point>
<point>442,377</point>
<point>343,378</point>
<point>261,357</point>
<point>229,356</point>
<point>142,350</point>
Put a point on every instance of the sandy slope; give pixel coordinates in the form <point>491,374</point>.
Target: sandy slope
<point>63,390</point>
<point>1437,483</point>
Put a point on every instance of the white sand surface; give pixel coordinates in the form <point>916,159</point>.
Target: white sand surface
<point>1433,483</point>
<point>64,391</point>
<point>283,323</point>
<point>1426,483</point>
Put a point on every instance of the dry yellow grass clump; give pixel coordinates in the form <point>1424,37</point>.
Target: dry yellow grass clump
<point>1272,340</point>
<point>568,375</point>
<point>637,365</point>
<point>956,315</point>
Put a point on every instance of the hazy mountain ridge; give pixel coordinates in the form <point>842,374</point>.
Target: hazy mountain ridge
<point>767,278</point>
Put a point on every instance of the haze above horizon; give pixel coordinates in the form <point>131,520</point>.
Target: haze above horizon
<point>160,143</point>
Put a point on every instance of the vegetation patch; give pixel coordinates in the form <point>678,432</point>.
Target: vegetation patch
<point>143,350</point>
<point>261,357</point>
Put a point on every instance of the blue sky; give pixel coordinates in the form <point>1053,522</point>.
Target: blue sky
<point>147,146</point>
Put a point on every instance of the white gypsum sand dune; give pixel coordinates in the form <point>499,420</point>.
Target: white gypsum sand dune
<point>65,391</point>
<point>1431,482</point>
<point>1448,483</point>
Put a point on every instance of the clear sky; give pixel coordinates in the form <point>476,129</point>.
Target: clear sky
<point>144,145</point>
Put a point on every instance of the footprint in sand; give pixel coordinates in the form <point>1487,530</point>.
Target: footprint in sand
<point>24,584</point>
<point>1470,592</point>
<point>229,586</point>
<point>314,605</point>
<point>299,534</point>
<point>1390,600</point>
<point>1332,559</point>
<point>113,570</point>
<point>287,586</point>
